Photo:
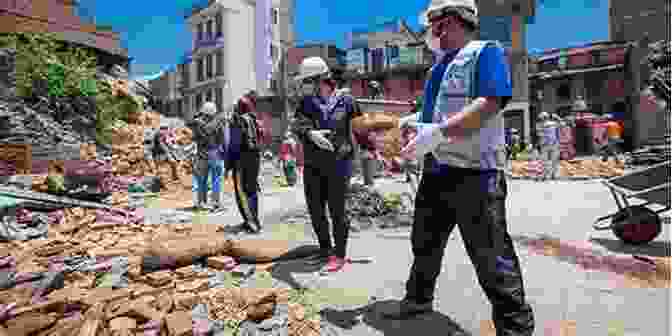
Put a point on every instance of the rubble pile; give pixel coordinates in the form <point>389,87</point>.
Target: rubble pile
<point>92,277</point>
<point>364,203</point>
<point>572,168</point>
<point>43,126</point>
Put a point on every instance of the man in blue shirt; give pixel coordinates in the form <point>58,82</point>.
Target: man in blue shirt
<point>463,181</point>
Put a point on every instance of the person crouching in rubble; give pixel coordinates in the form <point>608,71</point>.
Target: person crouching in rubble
<point>288,158</point>
<point>323,125</point>
<point>245,160</point>
<point>208,134</point>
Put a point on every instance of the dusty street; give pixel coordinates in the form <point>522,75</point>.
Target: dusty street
<point>574,276</point>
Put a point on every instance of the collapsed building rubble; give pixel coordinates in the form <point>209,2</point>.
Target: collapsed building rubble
<point>87,275</point>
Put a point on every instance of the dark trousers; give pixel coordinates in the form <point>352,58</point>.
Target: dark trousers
<point>246,186</point>
<point>327,186</point>
<point>475,201</point>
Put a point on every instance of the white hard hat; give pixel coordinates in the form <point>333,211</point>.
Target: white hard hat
<point>209,108</point>
<point>311,67</point>
<point>440,5</point>
<point>544,115</point>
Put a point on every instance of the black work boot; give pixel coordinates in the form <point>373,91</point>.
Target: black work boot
<point>407,309</point>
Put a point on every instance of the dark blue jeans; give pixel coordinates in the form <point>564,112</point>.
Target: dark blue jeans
<point>475,201</point>
<point>215,171</point>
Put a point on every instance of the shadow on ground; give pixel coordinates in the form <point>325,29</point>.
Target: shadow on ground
<point>652,249</point>
<point>431,324</point>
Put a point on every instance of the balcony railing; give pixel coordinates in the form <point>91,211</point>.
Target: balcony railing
<point>213,40</point>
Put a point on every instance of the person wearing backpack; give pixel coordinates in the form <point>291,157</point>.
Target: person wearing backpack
<point>209,135</point>
<point>461,140</point>
<point>245,160</point>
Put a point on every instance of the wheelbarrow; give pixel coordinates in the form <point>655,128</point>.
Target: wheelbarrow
<point>638,224</point>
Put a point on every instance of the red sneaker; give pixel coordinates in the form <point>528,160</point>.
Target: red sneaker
<point>334,264</point>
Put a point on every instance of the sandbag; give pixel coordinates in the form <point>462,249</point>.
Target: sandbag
<point>375,121</point>
<point>259,250</point>
<point>183,252</point>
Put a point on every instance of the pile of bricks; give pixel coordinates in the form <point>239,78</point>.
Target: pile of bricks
<point>158,302</point>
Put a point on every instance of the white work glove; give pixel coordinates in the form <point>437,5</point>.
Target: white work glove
<point>405,121</point>
<point>427,139</point>
<point>319,139</point>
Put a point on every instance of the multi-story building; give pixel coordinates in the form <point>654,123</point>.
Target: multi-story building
<point>391,54</point>
<point>222,64</point>
<point>632,20</point>
<point>600,73</point>
<point>60,18</point>
<point>168,97</point>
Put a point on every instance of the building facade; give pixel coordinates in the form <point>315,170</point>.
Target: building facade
<point>221,67</point>
<point>632,20</point>
<point>60,18</point>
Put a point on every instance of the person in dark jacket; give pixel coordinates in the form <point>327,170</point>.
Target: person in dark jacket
<point>245,159</point>
<point>323,125</point>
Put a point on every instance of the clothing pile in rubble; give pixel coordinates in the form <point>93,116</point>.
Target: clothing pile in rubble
<point>366,205</point>
<point>571,168</point>
<point>88,275</point>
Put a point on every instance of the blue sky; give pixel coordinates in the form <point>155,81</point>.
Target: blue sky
<point>156,34</point>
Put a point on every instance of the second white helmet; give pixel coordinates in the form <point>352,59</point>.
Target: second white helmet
<point>312,67</point>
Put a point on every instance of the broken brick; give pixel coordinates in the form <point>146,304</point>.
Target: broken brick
<point>192,285</point>
<point>143,310</point>
<point>27,323</point>
<point>222,263</point>
<point>159,278</point>
<point>179,323</point>
<point>164,303</point>
<point>185,301</point>
<point>123,323</point>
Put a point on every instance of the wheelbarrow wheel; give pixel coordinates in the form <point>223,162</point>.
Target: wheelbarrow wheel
<point>636,225</point>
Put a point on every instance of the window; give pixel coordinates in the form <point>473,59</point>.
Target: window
<point>199,69</point>
<point>219,23</point>
<point>595,108</point>
<point>199,101</point>
<point>275,15</point>
<point>200,32</point>
<point>274,85</point>
<point>179,107</point>
<point>219,68</point>
<point>563,91</point>
<point>210,29</point>
<point>332,52</point>
<point>219,98</point>
<point>208,66</point>
<point>208,95</point>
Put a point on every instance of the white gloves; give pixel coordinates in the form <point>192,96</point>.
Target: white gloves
<point>428,138</point>
<point>403,122</point>
<point>319,139</point>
